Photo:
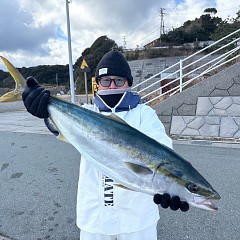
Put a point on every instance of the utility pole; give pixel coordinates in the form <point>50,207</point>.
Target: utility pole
<point>161,23</point>
<point>72,87</point>
<point>57,79</point>
<point>124,43</point>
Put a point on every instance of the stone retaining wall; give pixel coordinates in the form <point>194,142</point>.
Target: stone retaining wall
<point>223,84</point>
<point>216,117</point>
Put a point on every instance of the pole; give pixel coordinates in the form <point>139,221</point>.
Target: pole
<point>180,77</point>
<point>86,88</point>
<point>57,79</point>
<point>72,88</point>
<point>161,24</point>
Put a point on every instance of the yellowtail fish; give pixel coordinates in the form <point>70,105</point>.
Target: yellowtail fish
<point>132,159</point>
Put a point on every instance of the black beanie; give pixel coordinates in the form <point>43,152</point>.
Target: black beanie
<point>113,63</point>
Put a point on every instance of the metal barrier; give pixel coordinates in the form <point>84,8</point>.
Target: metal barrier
<point>221,56</point>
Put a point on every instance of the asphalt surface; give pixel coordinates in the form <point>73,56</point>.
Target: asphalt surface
<point>39,175</point>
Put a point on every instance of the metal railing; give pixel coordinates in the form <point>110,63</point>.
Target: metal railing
<point>227,49</point>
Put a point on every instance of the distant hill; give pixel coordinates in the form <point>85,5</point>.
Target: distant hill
<point>207,27</point>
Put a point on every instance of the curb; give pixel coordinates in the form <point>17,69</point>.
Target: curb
<point>226,144</point>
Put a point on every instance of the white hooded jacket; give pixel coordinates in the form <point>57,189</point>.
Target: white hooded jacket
<point>106,209</point>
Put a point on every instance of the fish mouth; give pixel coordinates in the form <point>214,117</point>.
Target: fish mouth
<point>207,204</point>
<point>204,203</point>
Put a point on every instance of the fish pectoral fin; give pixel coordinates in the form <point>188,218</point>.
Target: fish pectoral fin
<point>121,186</point>
<point>62,138</point>
<point>138,169</point>
<point>51,127</point>
<point>117,119</point>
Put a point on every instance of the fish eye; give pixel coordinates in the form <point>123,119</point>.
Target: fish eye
<point>193,188</point>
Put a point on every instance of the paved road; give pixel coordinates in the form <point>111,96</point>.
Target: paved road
<point>38,182</point>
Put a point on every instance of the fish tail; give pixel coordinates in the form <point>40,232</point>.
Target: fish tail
<point>20,81</point>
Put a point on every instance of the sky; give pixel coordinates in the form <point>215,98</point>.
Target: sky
<point>34,32</point>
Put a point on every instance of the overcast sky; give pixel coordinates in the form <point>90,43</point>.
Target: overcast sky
<point>34,32</point>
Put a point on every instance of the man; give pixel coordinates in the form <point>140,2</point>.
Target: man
<point>105,211</point>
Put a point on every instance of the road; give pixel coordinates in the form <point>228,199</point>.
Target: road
<point>38,183</point>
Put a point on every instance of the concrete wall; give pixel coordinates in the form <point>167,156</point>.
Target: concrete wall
<point>144,69</point>
<point>225,83</point>
<point>216,117</point>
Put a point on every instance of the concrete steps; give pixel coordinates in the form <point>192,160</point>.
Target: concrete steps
<point>146,68</point>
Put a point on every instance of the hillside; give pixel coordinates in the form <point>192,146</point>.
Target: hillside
<point>207,27</point>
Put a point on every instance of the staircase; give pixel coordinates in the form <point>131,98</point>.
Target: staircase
<point>185,107</point>
<point>188,71</point>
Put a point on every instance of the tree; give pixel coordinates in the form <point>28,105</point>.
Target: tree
<point>211,11</point>
<point>227,26</point>
<point>92,56</point>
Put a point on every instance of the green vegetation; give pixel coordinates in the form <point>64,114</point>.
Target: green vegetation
<point>45,74</point>
<point>207,27</point>
<point>92,56</point>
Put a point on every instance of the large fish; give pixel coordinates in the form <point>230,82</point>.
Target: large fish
<point>132,159</point>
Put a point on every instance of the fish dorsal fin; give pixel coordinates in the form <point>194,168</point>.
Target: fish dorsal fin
<point>117,119</point>
<point>138,169</point>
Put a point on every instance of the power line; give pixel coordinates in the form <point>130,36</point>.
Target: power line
<point>146,36</point>
<point>153,28</point>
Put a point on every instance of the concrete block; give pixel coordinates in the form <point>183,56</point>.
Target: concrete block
<point>177,126</point>
<point>204,106</point>
<point>236,79</point>
<point>225,85</point>
<point>166,118</point>
<point>190,132</point>
<point>237,134</point>
<point>186,109</point>
<point>234,90</point>
<point>188,119</point>
<point>224,103</point>
<point>236,100</point>
<point>212,120</point>
<point>237,120</point>
<point>197,123</point>
<point>228,127</point>
<point>208,130</point>
<point>218,92</point>
<point>233,110</point>
<point>218,112</point>
<point>215,100</point>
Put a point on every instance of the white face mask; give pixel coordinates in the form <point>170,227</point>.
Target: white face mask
<point>114,91</point>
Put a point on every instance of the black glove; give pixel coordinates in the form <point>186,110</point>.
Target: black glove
<point>174,202</point>
<point>35,98</point>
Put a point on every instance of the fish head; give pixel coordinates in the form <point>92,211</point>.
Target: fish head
<point>193,189</point>
<point>202,196</point>
<point>205,190</point>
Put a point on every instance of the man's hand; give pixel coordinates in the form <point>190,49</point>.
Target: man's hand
<point>174,202</point>
<point>35,98</point>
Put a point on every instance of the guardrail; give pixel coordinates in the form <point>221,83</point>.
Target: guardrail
<point>227,49</point>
